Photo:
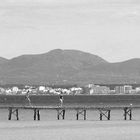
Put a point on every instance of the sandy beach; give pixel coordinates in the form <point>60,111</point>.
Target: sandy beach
<point>49,128</point>
<point>70,130</point>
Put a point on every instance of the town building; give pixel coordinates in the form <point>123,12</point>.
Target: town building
<point>126,89</point>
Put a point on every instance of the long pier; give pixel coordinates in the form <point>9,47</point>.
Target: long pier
<point>104,112</point>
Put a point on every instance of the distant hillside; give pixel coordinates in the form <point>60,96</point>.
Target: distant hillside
<point>118,73</point>
<point>52,67</point>
<point>3,60</point>
<point>68,67</point>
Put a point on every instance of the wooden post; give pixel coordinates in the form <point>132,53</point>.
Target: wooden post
<point>10,113</point>
<point>84,114</point>
<point>104,112</point>
<point>109,114</point>
<point>125,114</point>
<point>38,115</point>
<point>77,115</point>
<point>128,112</point>
<point>100,116</point>
<point>80,112</point>
<point>61,112</point>
<point>58,114</point>
<point>14,112</point>
<point>34,114</point>
<point>17,114</point>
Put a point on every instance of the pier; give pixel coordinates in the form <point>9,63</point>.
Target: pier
<point>104,112</point>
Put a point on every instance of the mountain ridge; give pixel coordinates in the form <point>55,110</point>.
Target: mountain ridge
<point>67,67</point>
<point>3,60</point>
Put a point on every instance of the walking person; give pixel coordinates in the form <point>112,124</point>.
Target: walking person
<point>28,97</point>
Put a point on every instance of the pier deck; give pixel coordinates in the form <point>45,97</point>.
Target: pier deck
<point>104,111</point>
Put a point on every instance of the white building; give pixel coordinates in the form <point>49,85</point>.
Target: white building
<point>126,89</point>
<point>15,90</point>
<point>41,88</point>
<point>96,89</point>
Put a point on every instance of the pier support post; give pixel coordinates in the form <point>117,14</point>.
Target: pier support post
<point>109,114</point>
<point>128,112</point>
<point>104,112</point>
<point>13,111</point>
<point>80,112</point>
<point>36,114</point>
<point>60,113</point>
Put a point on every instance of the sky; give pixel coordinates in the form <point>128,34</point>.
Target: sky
<point>107,28</point>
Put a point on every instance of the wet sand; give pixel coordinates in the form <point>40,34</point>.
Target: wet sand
<point>49,128</point>
<point>70,130</point>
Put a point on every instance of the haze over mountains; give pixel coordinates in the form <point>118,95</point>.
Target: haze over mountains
<point>67,67</point>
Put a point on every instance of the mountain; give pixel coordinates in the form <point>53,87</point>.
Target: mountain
<point>3,60</point>
<point>127,72</point>
<point>67,67</point>
<point>52,67</point>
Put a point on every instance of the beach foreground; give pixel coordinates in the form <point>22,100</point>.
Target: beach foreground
<point>70,130</point>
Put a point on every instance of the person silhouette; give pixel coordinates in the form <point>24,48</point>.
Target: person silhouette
<point>61,98</point>
<point>28,97</point>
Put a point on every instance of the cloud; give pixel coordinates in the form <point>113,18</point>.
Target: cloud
<point>65,2</point>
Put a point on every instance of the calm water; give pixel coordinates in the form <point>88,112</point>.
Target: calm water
<point>78,100</point>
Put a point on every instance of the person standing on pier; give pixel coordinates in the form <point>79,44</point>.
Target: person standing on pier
<point>61,98</point>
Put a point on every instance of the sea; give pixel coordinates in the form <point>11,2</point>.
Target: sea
<point>71,100</point>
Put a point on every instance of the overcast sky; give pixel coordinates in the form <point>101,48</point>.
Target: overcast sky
<point>108,28</point>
